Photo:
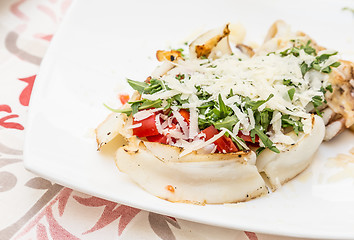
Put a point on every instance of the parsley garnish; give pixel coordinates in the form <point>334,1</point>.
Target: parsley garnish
<point>321,59</point>
<point>254,105</point>
<point>288,82</point>
<point>287,121</point>
<point>296,50</point>
<point>329,88</point>
<point>317,101</point>
<point>316,64</point>
<point>291,93</point>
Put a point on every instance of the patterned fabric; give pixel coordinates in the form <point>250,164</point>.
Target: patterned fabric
<point>34,208</point>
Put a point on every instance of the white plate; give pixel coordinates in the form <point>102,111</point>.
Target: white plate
<point>102,42</point>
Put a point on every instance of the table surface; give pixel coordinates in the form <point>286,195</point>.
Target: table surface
<point>34,208</point>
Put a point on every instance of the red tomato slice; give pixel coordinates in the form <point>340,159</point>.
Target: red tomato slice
<point>185,115</point>
<point>160,137</point>
<point>124,98</point>
<point>223,144</point>
<point>157,138</point>
<point>210,132</point>
<point>230,145</point>
<point>247,138</point>
<point>148,127</point>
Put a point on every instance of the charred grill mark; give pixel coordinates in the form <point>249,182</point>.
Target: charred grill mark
<point>341,91</point>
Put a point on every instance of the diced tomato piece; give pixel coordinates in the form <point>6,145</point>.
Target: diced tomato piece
<point>157,138</point>
<point>210,132</point>
<point>223,144</point>
<point>247,138</point>
<point>124,98</point>
<point>148,127</point>
<point>230,145</point>
<point>160,137</point>
<point>185,115</point>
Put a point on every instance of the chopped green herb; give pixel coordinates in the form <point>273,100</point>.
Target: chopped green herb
<point>316,64</point>
<point>287,121</point>
<point>138,86</point>
<point>291,93</point>
<point>230,94</point>
<point>178,101</point>
<point>264,138</point>
<point>207,105</point>
<point>288,82</point>
<point>304,68</point>
<point>227,123</point>
<point>329,88</point>
<point>296,50</point>
<point>223,109</point>
<point>155,86</point>
<point>317,101</point>
<point>254,105</point>
<point>308,49</point>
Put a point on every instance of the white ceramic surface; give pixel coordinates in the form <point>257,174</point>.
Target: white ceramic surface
<point>101,43</point>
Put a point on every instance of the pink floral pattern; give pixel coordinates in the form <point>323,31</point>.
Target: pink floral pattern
<point>55,230</point>
<point>15,9</point>
<point>45,224</point>
<point>111,212</point>
<point>251,235</point>
<point>4,120</point>
<point>26,93</point>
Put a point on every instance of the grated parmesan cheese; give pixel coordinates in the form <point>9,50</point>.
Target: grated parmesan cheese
<point>143,114</point>
<point>134,126</point>
<point>200,144</point>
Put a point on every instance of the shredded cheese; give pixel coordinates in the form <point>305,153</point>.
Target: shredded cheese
<point>134,126</point>
<point>143,114</point>
<point>193,147</point>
